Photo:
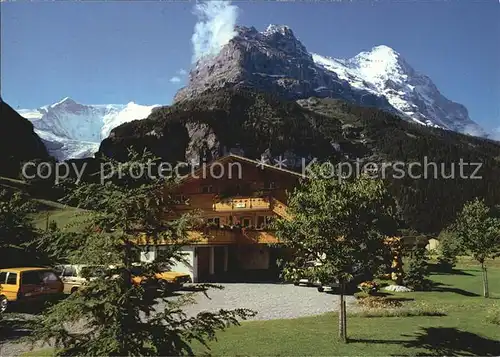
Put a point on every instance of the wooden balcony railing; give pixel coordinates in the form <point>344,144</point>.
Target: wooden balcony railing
<point>280,209</point>
<point>209,202</point>
<point>242,204</point>
<point>231,236</point>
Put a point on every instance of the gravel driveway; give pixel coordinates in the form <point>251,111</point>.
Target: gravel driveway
<point>271,301</point>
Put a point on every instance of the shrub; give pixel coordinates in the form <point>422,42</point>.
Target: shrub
<point>449,249</point>
<point>369,287</point>
<point>399,312</point>
<point>418,270</point>
<point>379,302</point>
<point>360,295</point>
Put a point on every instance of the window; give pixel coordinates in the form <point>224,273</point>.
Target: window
<point>69,271</point>
<point>12,279</point>
<point>246,222</point>
<point>269,185</point>
<point>137,271</point>
<point>261,221</point>
<point>58,269</point>
<point>48,277</point>
<point>207,189</point>
<point>31,278</point>
<point>214,220</point>
<point>3,277</point>
<point>181,199</point>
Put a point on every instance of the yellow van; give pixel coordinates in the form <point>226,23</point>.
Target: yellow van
<point>18,285</point>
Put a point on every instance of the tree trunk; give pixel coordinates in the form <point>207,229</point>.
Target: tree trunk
<point>342,316</point>
<point>486,291</point>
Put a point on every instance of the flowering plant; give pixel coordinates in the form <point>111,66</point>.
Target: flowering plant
<point>369,287</point>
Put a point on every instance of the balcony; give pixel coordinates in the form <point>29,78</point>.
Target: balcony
<point>242,204</point>
<point>231,236</point>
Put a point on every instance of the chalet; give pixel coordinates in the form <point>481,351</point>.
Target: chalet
<point>238,199</point>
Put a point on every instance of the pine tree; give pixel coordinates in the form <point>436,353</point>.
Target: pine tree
<point>417,270</point>
<point>121,318</point>
<point>17,231</point>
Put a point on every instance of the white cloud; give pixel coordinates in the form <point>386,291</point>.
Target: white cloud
<point>215,27</point>
<point>473,130</point>
<point>496,134</point>
<point>175,79</point>
<point>182,72</point>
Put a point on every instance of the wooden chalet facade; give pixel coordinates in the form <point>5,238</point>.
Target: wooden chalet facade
<point>238,198</point>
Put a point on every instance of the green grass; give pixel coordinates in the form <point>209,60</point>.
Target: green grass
<point>66,217</point>
<point>465,329</point>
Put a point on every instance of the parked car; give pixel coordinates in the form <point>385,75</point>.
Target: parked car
<point>28,285</point>
<point>166,280</point>
<point>304,276</point>
<point>351,286</point>
<point>76,276</point>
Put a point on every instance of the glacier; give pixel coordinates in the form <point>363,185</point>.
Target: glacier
<point>71,130</point>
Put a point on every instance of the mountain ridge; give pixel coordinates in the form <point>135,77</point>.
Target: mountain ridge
<point>275,61</point>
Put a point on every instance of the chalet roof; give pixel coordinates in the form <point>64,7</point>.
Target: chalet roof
<point>234,157</point>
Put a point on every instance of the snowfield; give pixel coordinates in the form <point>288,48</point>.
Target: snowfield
<point>383,71</point>
<point>72,130</point>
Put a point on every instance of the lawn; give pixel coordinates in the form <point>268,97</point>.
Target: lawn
<point>66,217</point>
<point>464,330</point>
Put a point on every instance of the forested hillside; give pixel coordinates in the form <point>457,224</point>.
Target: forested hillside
<point>256,123</point>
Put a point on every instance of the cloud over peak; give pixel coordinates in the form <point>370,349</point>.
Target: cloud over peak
<point>215,27</point>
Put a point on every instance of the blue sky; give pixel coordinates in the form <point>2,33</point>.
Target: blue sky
<point>117,52</point>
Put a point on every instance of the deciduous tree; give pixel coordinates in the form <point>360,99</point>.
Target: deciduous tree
<point>341,225</point>
<point>478,231</point>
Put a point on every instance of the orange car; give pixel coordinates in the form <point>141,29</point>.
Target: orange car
<point>166,280</point>
<point>20,285</point>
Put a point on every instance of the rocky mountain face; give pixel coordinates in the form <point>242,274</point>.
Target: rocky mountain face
<point>219,122</point>
<point>275,61</point>
<point>73,130</point>
<point>256,124</point>
<point>18,141</point>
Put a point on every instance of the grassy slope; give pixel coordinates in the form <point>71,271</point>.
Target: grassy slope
<point>463,331</point>
<point>66,217</point>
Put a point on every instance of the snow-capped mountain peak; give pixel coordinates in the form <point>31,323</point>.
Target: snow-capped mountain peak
<point>383,71</point>
<point>281,29</point>
<point>66,101</point>
<point>380,52</point>
<point>275,61</point>
<point>73,130</point>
